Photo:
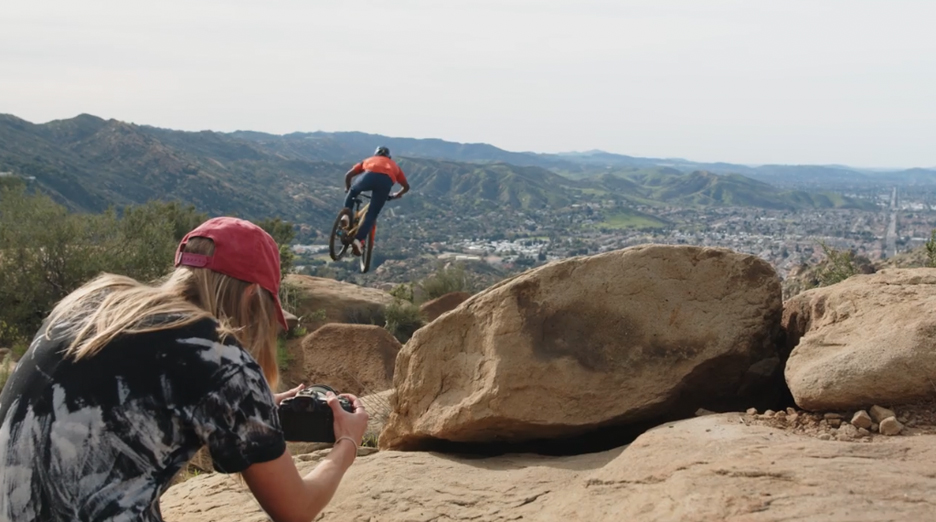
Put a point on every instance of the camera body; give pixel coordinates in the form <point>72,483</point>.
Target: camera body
<point>307,417</point>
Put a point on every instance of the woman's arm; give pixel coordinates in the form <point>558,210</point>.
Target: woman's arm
<point>287,497</point>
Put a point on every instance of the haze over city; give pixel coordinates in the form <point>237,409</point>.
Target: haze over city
<point>793,82</point>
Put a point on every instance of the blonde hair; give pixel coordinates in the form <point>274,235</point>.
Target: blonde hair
<point>111,305</point>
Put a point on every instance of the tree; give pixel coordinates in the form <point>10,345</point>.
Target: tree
<point>47,252</point>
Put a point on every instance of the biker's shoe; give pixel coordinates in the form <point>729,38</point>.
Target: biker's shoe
<point>356,247</point>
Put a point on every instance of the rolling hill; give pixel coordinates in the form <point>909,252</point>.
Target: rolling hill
<point>89,164</point>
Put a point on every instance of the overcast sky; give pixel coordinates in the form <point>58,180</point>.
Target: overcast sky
<point>788,81</point>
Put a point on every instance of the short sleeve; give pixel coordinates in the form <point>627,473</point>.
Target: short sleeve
<point>239,423</point>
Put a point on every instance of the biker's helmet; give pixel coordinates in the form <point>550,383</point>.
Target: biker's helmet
<point>382,151</point>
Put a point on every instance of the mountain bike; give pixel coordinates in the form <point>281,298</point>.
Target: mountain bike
<point>339,242</point>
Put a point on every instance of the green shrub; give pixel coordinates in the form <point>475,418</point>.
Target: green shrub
<point>403,291</point>
<point>838,266</point>
<point>402,319</point>
<point>365,315</point>
<point>445,280</point>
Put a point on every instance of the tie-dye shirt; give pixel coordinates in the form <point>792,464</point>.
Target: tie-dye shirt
<point>101,439</point>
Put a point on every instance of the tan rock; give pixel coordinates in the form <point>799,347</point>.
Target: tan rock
<point>879,413</point>
<point>751,411</point>
<point>706,468</point>
<point>865,340</point>
<point>431,310</point>
<point>891,426</point>
<point>320,300</point>
<point>539,356</point>
<point>352,358</point>
<point>861,419</point>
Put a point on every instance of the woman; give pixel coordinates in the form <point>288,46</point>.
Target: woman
<point>125,382</point>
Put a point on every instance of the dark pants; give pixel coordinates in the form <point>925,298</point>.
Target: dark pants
<point>379,186</point>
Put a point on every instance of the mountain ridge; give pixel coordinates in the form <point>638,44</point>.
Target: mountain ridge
<point>90,163</point>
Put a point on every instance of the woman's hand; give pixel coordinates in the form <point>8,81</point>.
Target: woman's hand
<point>278,397</point>
<point>351,425</point>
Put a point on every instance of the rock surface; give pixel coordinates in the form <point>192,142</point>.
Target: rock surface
<point>866,340</point>
<point>431,310</point>
<point>614,338</point>
<point>352,358</point>
<point>708,468</point>
<point>321,301</point>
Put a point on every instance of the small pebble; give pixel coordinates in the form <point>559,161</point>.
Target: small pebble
<point>874,427</point>
<point>769,413</point>
<point>835,423</point>
<point>752,411</point>
<point>825,436</point>
<point>863,432</point>
<point>879,413</point>
<point>832,416</point>
<point>891,426</point>
<point>791,411</point>
<point>861,419</point>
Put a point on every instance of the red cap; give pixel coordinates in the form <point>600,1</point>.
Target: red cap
<point>242,250</point>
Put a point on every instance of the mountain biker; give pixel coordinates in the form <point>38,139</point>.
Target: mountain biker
<point>380,173</point>
<point>125,382</point>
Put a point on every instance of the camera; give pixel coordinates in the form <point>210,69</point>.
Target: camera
<point>307,417</point>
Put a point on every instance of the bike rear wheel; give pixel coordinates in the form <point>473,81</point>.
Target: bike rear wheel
<point>337,247</point>
<point>368,246</point>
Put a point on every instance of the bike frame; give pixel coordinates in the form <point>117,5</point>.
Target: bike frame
<point>359,214</point>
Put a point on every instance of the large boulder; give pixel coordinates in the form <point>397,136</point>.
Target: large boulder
<point>704,469</point>
<point>622,337</point>
<point>319,300</point>
<point>870,339</point>
<point>431,310</point>
<point>352,358</point>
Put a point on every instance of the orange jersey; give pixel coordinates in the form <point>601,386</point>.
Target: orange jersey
<point>382,165</point>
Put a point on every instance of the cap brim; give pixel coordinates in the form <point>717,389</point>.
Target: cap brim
<point>280,316</point>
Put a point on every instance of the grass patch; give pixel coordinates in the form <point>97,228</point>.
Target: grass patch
<point>283,357</point>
